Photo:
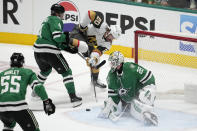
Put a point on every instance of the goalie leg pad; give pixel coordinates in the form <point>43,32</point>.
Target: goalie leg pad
<point>147,95</point>
<point>138,108</point>
<point>110,109</point>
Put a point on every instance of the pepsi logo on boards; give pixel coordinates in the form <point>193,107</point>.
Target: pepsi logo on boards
<point>72,16</point>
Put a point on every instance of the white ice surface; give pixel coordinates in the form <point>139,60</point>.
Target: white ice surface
<point>174,114</point>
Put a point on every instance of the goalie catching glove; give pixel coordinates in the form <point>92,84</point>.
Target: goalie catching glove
<point>49,107</point>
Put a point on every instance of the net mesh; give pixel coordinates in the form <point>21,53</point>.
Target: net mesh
<point>171,57</point>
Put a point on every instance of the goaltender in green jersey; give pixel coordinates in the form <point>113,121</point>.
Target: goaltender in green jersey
<point>131,88</point>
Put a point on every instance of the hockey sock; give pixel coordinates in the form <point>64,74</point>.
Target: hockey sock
<point>68,81</point>
<point>42,76</point>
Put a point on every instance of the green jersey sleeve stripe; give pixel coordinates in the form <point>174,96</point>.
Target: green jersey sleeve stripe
<point>56,32</point>
<point>57,35</point>
<point>147,78</point>
<point>35,83</point>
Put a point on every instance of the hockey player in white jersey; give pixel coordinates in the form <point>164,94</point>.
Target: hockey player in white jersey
<point>99,37</point>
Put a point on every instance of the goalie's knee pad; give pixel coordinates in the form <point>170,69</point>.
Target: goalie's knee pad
<point>138,108</point>
<point>147,94</point>
<point>83,47</point>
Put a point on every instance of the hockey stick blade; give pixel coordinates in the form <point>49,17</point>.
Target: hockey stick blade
<point>101,64</point>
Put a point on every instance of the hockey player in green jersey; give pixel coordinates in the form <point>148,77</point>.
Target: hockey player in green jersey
<point>132,87</point>
<point>13,87</point>
<point>47,51</point>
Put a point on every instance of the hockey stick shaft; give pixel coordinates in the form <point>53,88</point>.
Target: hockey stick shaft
<point>81,56</point>
<point>101,64</point>
<point>97,67</point>
<point>94,91</point>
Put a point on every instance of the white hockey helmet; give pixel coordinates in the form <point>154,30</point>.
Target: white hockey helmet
<point>115,30</point>
<point>115,58</point>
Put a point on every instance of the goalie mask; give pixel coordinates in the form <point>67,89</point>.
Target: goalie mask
<point>116,59</point>
<point>17,60</point>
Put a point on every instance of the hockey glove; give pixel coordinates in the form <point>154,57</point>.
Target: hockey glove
<point>92,62</point>
<point>94,59</point>
<point>49,107</point>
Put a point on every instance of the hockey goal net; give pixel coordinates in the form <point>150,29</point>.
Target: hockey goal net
<point>171,57</point>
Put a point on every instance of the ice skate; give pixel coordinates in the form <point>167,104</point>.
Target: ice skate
<point>96,82</point>
<point>75,100</point>
<point>150,119</point>
<point>99,84</point>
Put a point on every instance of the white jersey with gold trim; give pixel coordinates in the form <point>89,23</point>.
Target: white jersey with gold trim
<point>95,36</point>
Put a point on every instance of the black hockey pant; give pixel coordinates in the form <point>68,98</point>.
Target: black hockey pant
<point>25,118</point>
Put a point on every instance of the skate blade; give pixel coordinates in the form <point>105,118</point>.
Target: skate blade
<point>100,86</point>
<point>76,104</point>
